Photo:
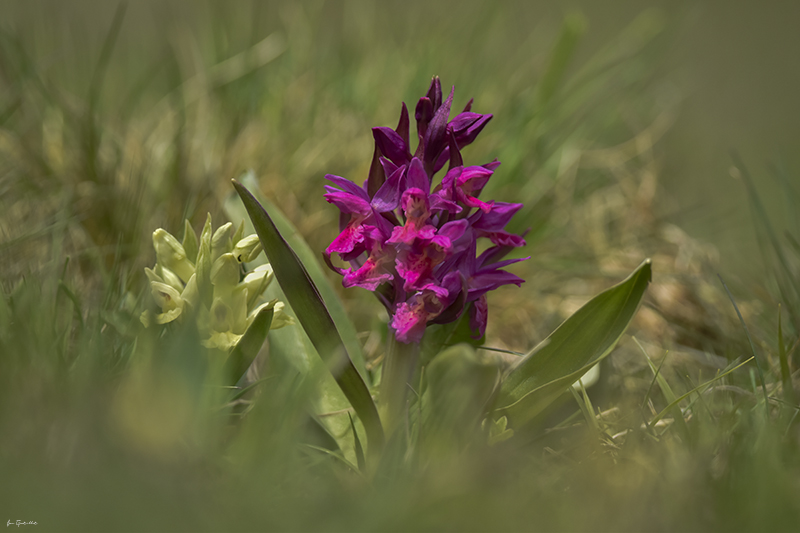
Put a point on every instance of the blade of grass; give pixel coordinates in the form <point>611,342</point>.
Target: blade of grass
<point>700,389</point>
<point>752,347</point>
<point>786,375</point>
<point>249,345</point>
<point>666,390</point>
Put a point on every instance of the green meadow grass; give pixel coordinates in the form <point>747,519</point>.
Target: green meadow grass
<point>118,120</point>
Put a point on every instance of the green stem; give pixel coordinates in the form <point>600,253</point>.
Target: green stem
<point>398,371</point>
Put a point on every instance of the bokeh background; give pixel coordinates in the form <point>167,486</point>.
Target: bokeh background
<point>628,128</point>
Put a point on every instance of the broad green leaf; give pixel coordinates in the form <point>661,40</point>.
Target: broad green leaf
<point>439,337</point>
<point>310,260</point>
<point>248,346</point>
<point>582,341</point>
<point>460,382</point>
<point>310,311</point>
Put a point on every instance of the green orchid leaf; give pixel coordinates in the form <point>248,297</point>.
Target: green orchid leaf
<point>310,260</point>
<point>249,345</point>
<point>460,383</point>
<point>302,294</point>
<point>582,341</point>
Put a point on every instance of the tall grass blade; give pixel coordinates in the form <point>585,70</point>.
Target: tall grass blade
<point>249,345</point>
<point>786,374</point>
<point>667,391</point>
<point>752,346</point>
<point>699,389</point>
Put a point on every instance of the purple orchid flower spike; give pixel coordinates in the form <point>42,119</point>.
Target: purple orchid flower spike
<point>414,247</point>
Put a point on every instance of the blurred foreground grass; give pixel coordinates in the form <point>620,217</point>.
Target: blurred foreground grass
<point>115,121</point>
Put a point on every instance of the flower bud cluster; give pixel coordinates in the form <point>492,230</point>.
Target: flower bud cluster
<point>204,279</point>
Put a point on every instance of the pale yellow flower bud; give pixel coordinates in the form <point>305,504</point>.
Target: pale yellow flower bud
<point>170,253</point>
<point>190,294</point>
<point>168,299</point>
<point>225,271</point>
<point>247,249</point>
<point>169,277</point>
<point>221,241</point>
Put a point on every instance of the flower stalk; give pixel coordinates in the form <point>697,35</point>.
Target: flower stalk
<point>399,366</point>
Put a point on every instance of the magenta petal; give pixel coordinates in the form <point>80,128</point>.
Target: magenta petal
<point>368,276</point>
<point>498,217</point>
<point>503,238</point>
<point>471,201</point>
<point>408,323</point>
<point>409,233</point>
<point>388,196</point>
<point>478,317</point>
<point>492,166</point>
<point>481,283</point>
<point>439,203</point>
<point>449,180</point>
<point>347,186</point>
<point>347,239</point>
<point>349,203</point>
<point>455,229</point>
<point>441,292</point>
<point>415,270</point>
<point>417,177</point>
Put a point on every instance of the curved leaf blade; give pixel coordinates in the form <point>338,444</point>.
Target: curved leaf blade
<point>310,260</point>
<point>579,343</point>
<point>310,310</point>
<point>249,345</point>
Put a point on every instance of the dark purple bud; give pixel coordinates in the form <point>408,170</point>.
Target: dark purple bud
<point>454,153</point>
<point>467,126</point>
<point>478,317</point>
<point>436,136</point>
<point>376,173</point>
<point>403,125</point>
<point>435,93</point>
<point>391,145</point>
<point>423,114</point>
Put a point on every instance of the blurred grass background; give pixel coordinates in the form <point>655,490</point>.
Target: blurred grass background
<point>614,124</point>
